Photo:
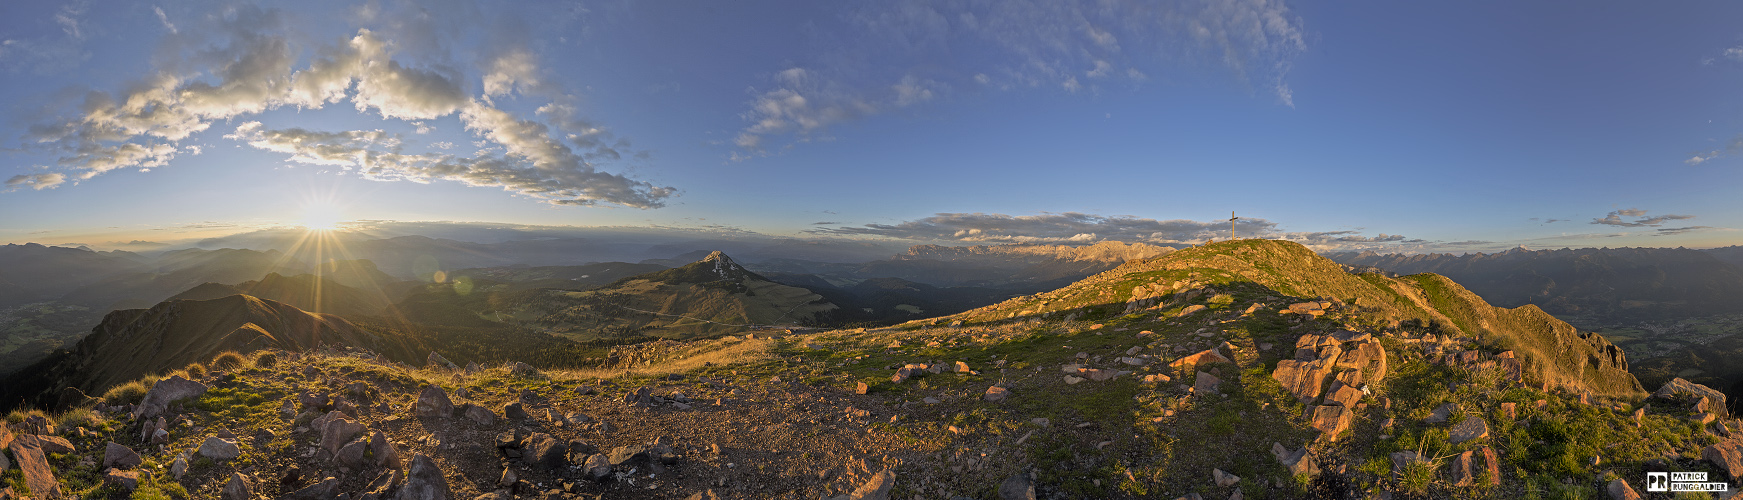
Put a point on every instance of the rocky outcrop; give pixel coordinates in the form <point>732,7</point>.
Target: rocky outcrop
<point>37,475</point>
<point>1679,388</point>
<point>1355,359</point>
<point>165,391</point>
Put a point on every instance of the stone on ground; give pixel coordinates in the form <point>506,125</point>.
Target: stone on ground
<point>424,481</point>
<point>1470,428</point>
<point>165,391</point>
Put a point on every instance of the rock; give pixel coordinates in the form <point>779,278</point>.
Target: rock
<point>1473,427</point>
<point>337,432</point>
<point>1205,383</point>
<point>508,478</point>
<point>116,455</point>
<point>1343,395</point>
<point>1204,357</point>
<point>1156,378</point>
<point>479,415</point>
<point>1332,420</point>
<point>179,467</point>
<point>542,450</point>
<point>577,419</point>
<point>877,488</point>
<point>436,361</point>
<point>996,394</point>
<point>220,449</point>
<point>1727,456</point>
<point>962,367</point>
<point>239,488</point>
<point>1298,462</point>
<point>1491,463</point>
<point>1510,410</point>
<point>385,453</point>
<point>930,400</point>
<point>514,411</point>
<point>37,475</point>
<point>522,370</point>
<point>1190,309</point>
<point>1017,487</point>
<point>703,495</point>
<point>862,388</point>
<point>1304,379</point>
<point>1224,479</point>
<point>584,391</point>
<point>55,444</point>
<point>597,467</point>
<point>424,481</point>
<point>164,392</point>
<point>1071,380</point>
<point>631,455</point>
<point>472,367</point>
<point>1441,413</point>
<point>1402,459</point>
<point>1365,355</point>
<point>1619,490</point>
<point>1459,471</point>
<point>432,402</point>
<point>327,489</point>
<point>351,455</point>
<point>126,479</point>
<point>1679,387</point>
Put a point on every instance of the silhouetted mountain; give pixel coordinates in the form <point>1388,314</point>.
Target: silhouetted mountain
<point>35,273</point>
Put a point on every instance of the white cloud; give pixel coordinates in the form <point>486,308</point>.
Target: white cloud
<point>1615,218</point>
<point>164,18</point>
<point>247,61</point>
<point>444,145</point>
<point>1080,228</point>
<point>36,181</point>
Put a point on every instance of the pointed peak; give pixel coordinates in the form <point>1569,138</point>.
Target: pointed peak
<point>718,256</point>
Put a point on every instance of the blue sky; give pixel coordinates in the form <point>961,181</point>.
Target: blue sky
<point>1391,125</point>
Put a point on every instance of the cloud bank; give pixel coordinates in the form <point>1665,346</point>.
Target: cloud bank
<point>1615,218</point>
<point>1080,228</point>
<point>244,62</point>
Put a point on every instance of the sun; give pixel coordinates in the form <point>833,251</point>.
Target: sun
<point>322,217</point>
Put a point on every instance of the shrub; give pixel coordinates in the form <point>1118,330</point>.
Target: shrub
<point>265,359</point>
<point>195,371</point>
<point>226,361</point>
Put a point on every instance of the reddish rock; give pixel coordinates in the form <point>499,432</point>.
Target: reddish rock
<point>1728,456</point>
<point>1343,395</point>
<point>996,394</point>
<point>1510,411</point>
<point>126,479</point>
<point>1492,462</point>
<point>1204,357</point>
<point>1620,490</point>
<point>1460,470</point>
<point>116,455</point>
<point>432,402</point>
<point>55,444</point>
<point>1331,420</point>
<point>1205,383</point>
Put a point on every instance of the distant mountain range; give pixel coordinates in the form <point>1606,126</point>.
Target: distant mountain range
<point>1587,285</point>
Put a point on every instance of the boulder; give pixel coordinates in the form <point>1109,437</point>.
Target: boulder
<point>1304,379</point>
<point>1298,462</point>
<point>1017,487</point>
<point>542,450</point>
<point>238,488</point>
<point>116,455</point>
<point>327,489</point>
<point>433,402</point>
<point>521,370</point>
<point>179,467</point>
<point>424,481</point>
<point>1332,420</point>
<point>1204,357</point>
<point>877,488</point>
<point>996,394</point>
<point>220,449</point>
<point>1441,413</point>
<point>1190,309</point>
<point>1366,356</point>
<point>385,453</point>
<point>479,415</point>
<point>164,392</point>
<point>337,432</point>
<point>55,444</point>
<point>437,361</point>
<point>31,461</point>
<point>514,411</point>
<point>629,455</point>
<point>1470,428</point>
<point>1224,479</point>
<point>597,468</point>
<point>862,388</point>
<point>1343,395</point>
<point>1205,383</point>
<point>1727,456</point>
<point>125,479</point>
<point>351,455</point>
<point>385,483</point>
<point>1679,387</point>
<point>1620,490</point>
<point>1459,471</point>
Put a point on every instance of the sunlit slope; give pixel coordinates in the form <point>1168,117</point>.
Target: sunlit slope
<point>1555,352</point>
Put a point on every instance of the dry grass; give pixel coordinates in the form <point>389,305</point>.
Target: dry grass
<point>691,357</point>
<point>265,359</point>
<point>227,360</point>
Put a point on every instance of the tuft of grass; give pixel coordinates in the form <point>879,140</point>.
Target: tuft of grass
<point>1416,477</point>
<point>265,359</point>
<point>128,393</point>
<point>227,361</point>
<point>195,371</point>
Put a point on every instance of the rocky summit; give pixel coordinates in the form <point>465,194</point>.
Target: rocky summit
<point>1243,369</point>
